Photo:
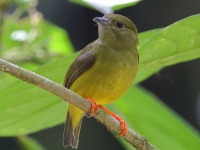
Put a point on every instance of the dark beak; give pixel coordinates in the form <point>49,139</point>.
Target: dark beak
<point>101,20</point>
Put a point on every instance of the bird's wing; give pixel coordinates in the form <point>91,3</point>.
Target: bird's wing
<point>83,62</point>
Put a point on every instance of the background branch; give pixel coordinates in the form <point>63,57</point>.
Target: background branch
<point>136,140</point>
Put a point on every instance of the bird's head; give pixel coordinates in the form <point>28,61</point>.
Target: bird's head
<point>117,30</point>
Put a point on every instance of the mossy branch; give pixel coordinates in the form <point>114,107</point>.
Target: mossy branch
<point>136,140</point>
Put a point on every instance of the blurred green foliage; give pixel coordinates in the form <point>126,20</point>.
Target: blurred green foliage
<point>25,37</point>
<point>28,143</point>
<point>29,40</point>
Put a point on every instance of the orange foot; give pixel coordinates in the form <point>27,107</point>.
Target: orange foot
<point>122,122</point>
<point>94,108</point>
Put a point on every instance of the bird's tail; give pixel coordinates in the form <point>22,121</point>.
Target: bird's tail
<point>72,126</point>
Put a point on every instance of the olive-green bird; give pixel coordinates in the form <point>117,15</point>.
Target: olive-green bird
<point>103,71</point>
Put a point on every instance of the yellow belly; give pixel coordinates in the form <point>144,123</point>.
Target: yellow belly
<point>106,80</point>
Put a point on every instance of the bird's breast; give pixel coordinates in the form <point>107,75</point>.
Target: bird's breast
<point>108,78</point>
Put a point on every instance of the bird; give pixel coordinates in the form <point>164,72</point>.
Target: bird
<point>102,72</point>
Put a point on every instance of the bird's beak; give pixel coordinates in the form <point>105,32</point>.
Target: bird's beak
<point>101,20</point>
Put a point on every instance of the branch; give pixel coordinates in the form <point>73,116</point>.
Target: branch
<point>136,140</point>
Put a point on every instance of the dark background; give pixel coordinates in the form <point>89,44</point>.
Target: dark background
<point>178,86</point>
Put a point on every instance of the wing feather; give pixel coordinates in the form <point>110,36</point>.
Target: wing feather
<point>83,62</point>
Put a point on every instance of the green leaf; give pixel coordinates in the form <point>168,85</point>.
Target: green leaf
<point>29,109</point>
<point>147,115</point>
<point>145,36</point>
<point>124,5</point>
<point>26,109</point>
<point>176,43</point>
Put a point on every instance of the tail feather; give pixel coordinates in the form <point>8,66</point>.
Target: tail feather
<point>71,134</point>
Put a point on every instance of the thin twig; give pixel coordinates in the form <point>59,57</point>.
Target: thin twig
<point>136,140</point>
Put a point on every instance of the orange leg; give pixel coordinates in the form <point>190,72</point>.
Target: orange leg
<point>94,108</point>
<point>122,122</point>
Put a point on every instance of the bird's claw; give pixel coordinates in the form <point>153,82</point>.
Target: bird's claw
<point>93,110</point>
<point>123,127</point>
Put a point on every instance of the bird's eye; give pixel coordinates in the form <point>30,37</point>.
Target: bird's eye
<point>120,24</point>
